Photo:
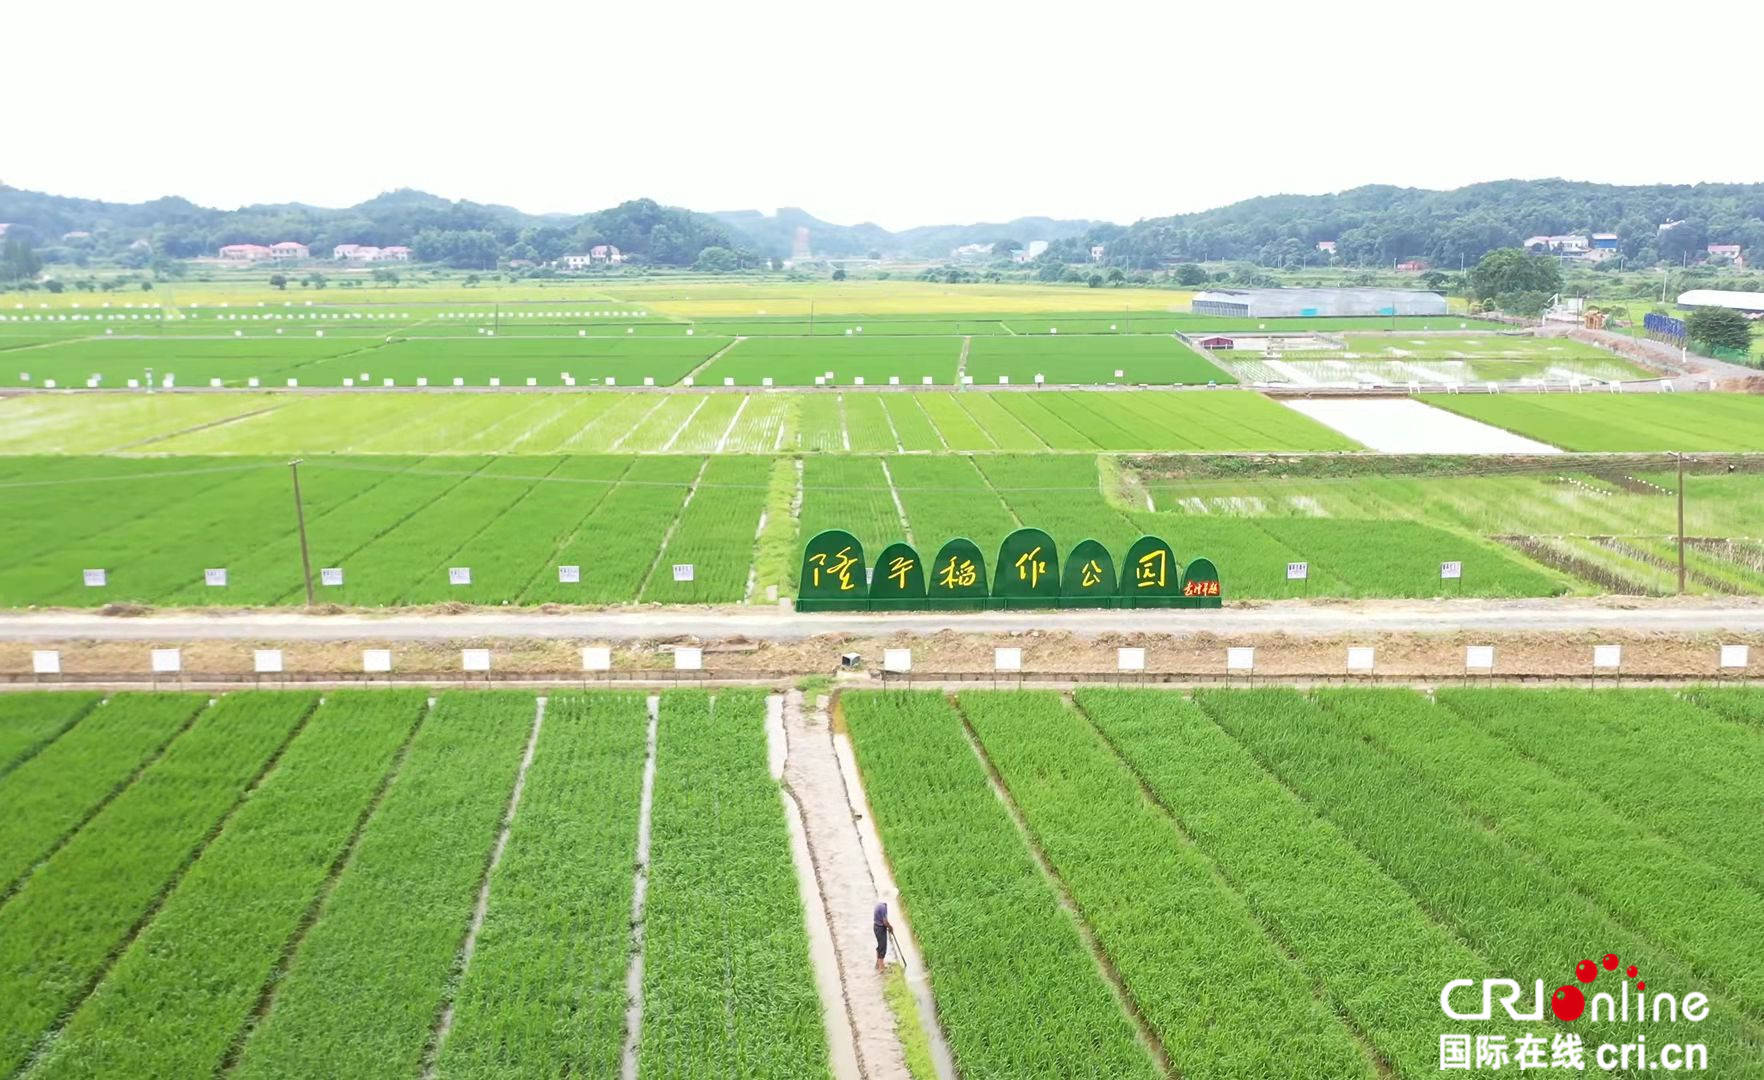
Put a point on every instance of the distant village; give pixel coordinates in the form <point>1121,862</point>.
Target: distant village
<point>291,251</point>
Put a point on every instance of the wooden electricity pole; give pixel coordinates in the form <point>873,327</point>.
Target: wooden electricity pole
<point>1681,523</point>
<point>300,520</point>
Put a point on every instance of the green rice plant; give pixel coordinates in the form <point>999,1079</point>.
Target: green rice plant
<point>822,423</point>
<point>174,1000</point>
<point>1002,427</point>
<point>1067,357</point>
<point>78,907</point>
<point>1034,413</point>
<point>29,722</point>
<point>1004,960</point>
<point>766,424</point>
<point>957,429</point>
<point>660,426</point>
<point>714,534</point>
<point>907,417</point>
<point>1598,421</point>
<point>1662,892</point>
<point>1742,705</point>
<point>946,497</point>
<point>849,493</point>
<point>52,793</point>
<point>1658,760</point>
<point>799,361</point>
<point>1378,956</point>
<point>777,549</point>
<point>545,992</point>
<point>360,995</point>
<point>1061,494</point>
<point>867,423</point>
<point>1222,998</point>
<point>727,986</point>
<point>1526,921</point>
<point>646,500</point>
<point>1402,558</point>
<point>704,432</point>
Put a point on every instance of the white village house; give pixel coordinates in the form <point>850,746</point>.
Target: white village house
<point>599,253</point>
<point>368,253</point>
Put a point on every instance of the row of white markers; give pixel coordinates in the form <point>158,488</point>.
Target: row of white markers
<point>1238,660</point>
<point>216,576</point>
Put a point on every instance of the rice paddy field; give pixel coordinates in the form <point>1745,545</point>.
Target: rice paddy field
<point>1663,422</point>
<point>1434,360</point>
<point>1108,883</point>
<point>274,884</point>
<point>1255,883</point>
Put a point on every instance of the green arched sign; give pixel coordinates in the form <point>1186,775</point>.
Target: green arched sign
<point>957,577</point>
<point>1028,570</point>
<point>1200,584</point>
<point>1150,576</point>
<point>1089,580</point>
<point>832,572</point>
<point>899,578</point>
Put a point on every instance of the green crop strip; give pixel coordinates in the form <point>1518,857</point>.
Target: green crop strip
<point>188,982</point>
<point>727,987</point>
<point>29,722</point>
<point>1005,960</point>
<point>82,905</point>
<point>545,992</point>
<point>361,994</point>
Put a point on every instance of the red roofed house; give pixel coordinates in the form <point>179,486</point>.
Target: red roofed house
<point>1732,251</point>
<point>244,252</point>
<point>1217,342</point>
<point>288,249</point>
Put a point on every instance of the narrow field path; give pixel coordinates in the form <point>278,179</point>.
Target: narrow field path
<point>894,493</point>
<point>838,876</point>
<point>639,898</point>
<point>661,549</point>
<point>709,360</point>
<point>962,360</point>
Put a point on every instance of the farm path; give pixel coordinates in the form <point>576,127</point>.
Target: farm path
<point>839,874</point>
<point>1664,615</point>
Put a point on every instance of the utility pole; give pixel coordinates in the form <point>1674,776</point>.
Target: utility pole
<point>306,558</point>
<point>1681,523</point>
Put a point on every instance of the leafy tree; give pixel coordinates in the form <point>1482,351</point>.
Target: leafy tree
<point>839,273</point>
<point>1434,281</point>
<point>1190,275</point>
<point>17,261</point>
<point>1510,271</point>
<point>1117,276</point>
<point>55,286</point>
<point>1004,246</point>
<point>1529,303</point>
<point>1720,328</point>
<point>278,281</point>
<point>1095,281</point>
<point>385,276</point>
<point>716,259</point>
<point>315,279</point>
<point>472,279</point>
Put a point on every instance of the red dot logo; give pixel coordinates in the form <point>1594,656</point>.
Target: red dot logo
<point>1608,961</point>
<point>1630,971</point>
<point>1568,1003</point>
<point>1586,971</point>
<point>1642,986</point>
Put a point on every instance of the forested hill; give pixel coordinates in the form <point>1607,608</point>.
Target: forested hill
<point>1378,225</point>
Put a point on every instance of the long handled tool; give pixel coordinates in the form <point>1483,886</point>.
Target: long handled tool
<point>897,950</point>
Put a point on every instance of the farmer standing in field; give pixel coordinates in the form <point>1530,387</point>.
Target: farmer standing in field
<point>883,927</point>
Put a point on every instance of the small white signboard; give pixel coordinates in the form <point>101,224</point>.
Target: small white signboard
<point>1479,658</point>
<point>376,661</point>
<point>331,575</point>
<point>215,577</point>
<point>926,380</point>
<point>266,661</point>
<point>1451,571</point>
<point>1298,571</point>
<point>459,575</point>
<point>899,661</point>
<point>569,575</point>
<point>1359,659</point>
<point>1607,656</point>
<point>167,661</point>
<point>474,659</point>
<point>1010,659</point>
<point>95,579</point>
<point>45,662</point>
<point>1240,658</point>
<point>688,659</point>
<point>597,658</point>
<point>1735,656</point>
<point>683,571</point>
<point>1130,659</point>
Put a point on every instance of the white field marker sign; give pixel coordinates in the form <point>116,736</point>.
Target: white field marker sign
<point>331,575</point>
<point>1608,656</point>
<point>266,661</point>
<point>898,661</point>
<point>166,661</point>
<point>459,575</point>
<point>1359,659</point>
<point>1298,571</point>
<point>1007,659</point>
<point>1735,656</point>
<point>215,577</point>
<point>569,575</point>
<point>95,579</point>
<point>474,659</point>
<point>45,662</point>
<point>597,658</point>
<point>1451,571</point>
<point>1240,658</point>
<point>1479,658</point>
<point>689,659</point>
<point>1130,659</point>
<point>376,661</point>
<point>683,571</point>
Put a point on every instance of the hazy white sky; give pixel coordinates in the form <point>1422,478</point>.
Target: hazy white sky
<point>904,113</point>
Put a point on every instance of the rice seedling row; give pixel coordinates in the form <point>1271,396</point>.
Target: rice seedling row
<point>1636,422</point>
<point>714,535</point>
<point>545,992</point>
<point>727,987</point>
<point>362,992</point>
<point>29,722</point>
<point>184,988</point>
<point>77,908</point>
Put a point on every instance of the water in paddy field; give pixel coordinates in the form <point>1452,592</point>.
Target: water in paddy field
<point>1407,426</point>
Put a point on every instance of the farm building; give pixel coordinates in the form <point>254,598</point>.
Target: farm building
<point>1217,341</point>
<point>244,252</point>
<point>367,253</point>
<point>1752,303</point>
<point>1728,251</point>
<point>599,253</point>
<point>288,249</point>
<point>1278,303</point>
